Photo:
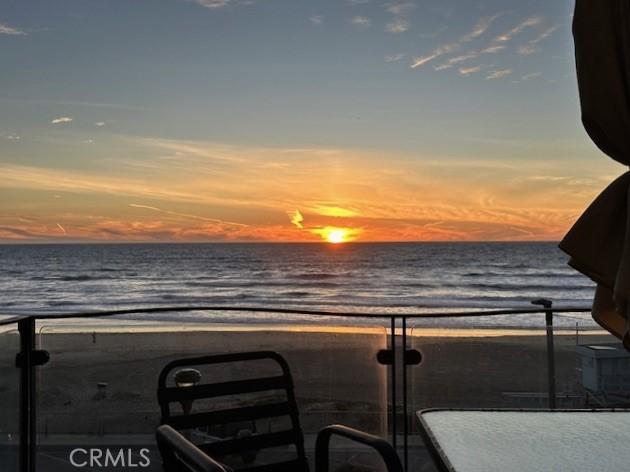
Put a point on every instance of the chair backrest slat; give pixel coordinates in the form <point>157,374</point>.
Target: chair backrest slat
<point>236,387</point>
<point>248,443</point>
<point>246,413</point>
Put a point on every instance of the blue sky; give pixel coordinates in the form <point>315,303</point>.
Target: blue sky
<point>480,94</point>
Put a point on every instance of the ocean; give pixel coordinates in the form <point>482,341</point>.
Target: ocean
<point>379,277</point>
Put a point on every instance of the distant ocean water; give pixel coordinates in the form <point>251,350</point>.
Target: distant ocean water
<point>391,278</point>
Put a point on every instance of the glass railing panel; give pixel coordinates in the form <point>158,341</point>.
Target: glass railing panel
<point>100,385</point>
<point>478,367</point>
<point>9,398</point>
<point>500,362</point>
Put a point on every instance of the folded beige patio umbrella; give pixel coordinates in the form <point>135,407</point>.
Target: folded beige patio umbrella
<point>599,242</point>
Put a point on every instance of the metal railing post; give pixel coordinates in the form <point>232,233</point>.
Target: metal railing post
<point>404,388</point>
<point>551,360</point>
<point>28,402</point>
<point>393,380</point>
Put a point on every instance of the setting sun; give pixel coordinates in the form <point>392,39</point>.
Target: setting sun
<point>336,236</point>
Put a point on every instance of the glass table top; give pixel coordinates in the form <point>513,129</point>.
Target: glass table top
<point>519,441</point>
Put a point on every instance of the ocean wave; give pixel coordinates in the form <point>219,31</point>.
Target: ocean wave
<point>296,294</point>
<point>529,273</point>
<point>515,286</point>
<point>315,276</point>
<point>78,278</point>
<point>260,284</point>
<point>524,287</point>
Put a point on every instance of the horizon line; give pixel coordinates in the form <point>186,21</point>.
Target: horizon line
<point>112,243</point>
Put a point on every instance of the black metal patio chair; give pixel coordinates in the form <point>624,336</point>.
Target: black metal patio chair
<point>180,455</point>
<point>227,427</point>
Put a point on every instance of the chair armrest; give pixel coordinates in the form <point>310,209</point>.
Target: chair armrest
<point>180,455</point>
<point>322,447</point>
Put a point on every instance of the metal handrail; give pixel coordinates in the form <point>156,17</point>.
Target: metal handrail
<point>12,319</point>
<point>294,311</point>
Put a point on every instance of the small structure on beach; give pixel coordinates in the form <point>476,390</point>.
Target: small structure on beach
<point>605,373</point>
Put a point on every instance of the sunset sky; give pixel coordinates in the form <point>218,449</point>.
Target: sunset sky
<point>284,120</point>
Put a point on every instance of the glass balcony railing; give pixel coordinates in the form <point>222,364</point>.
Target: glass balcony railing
<point>9,397</point>
<point>99,388</point>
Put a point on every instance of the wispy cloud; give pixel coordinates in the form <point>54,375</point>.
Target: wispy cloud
<point>12,137</point>
<point>498,74</point>
<point>422,60</point>
<point>463,57</point>
<point>100,123</point>
<point>468,56</point>
<point>186,215</point>
<point>469,70</point>
<point>216,4</point>
<point>362,22</point>
<point>443,66</point>
<point>492,49</point>
<point>528,23</point>
<point>532,75</point>
<point>398,25</point>
<point>317,19</point>
<point>531,46</point>
<point>394,57</point>
<point>400,8</point>
<point>499,43</point>
<point>456,60</point>
<point>336,211</point>
<point>10,30</point>
<point>440,51</point>
<point>478,30</point>
<point>526,49</point>
<point>61,120</point>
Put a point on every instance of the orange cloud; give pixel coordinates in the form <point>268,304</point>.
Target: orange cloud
<point>296,218</point>
<point>193,191</point>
